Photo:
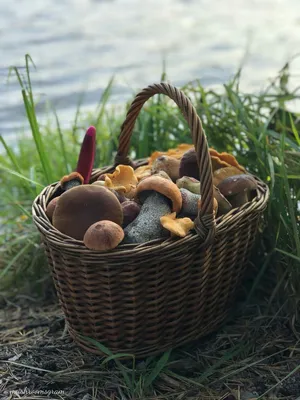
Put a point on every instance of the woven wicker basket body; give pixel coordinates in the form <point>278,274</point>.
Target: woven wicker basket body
<point>148,298</point>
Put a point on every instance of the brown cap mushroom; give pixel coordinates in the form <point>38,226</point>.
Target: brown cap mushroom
<point>222,173</point>
<point>189,165</point>
<point>130,211</point>
<point>168,164</point>
<point>163,186</point>
<point>78,208</point>
<point>71,180</point>
<point>177,226</point>
<point>51,207</point>
<point>103,236</point>
<point>158,196</point>
<point>238,189</point>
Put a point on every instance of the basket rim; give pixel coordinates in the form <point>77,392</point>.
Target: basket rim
<point>222,223</point>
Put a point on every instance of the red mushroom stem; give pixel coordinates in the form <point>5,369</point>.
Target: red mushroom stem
<point>87,154</point>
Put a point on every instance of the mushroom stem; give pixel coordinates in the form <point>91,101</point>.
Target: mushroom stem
<point>239,199</point>
<point>146,225</point>
<point>189,202</point>
<point>87,154</point>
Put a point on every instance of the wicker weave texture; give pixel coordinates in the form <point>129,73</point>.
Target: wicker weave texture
<point>144,299</point>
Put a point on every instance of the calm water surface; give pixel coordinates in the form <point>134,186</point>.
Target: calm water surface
<point>78,45</point>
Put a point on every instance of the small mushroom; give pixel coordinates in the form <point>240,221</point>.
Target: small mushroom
<point>238,189</point>
<point>191,184</point>
<point>223,204</point>
<point>223,173</point>
<point>158,197</point>
<point>122,180</point>
<point>51,207</point>
<point>189,202</point>
<point>177,226</point>
<point>189,165</point>
<point>130,211</point>
<point>80,207</point>
<point>69,181</point>
<point>103,236</point>
<point>168,164</point>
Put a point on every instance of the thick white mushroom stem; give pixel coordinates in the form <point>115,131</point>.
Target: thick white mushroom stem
<point>147,224</point>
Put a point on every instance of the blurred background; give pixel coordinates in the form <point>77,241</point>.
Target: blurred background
<point>77,45</point>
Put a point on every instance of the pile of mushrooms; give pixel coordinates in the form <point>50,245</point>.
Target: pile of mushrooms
<point>136,205</point>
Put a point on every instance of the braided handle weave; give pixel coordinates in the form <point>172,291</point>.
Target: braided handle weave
<point>205,222</point>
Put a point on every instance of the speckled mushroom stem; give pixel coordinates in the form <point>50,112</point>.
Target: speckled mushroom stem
<point>189,202</point>
<point>147,224</point>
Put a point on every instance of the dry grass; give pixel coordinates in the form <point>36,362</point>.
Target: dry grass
<point>255,354</point>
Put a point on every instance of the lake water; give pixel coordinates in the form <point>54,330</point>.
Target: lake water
<point>77,45</point>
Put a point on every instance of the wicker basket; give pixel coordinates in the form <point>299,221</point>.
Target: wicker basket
<point>144,299</point>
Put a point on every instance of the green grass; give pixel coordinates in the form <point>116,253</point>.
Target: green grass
<point>256,128</point>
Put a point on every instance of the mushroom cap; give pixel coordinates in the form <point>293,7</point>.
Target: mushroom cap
<point>103,236</point>
<point>142,172</point>
<point>51,207</point>
<point>163,186</point>
<point>168,164</point>
<point>223,173</point>
<point>191,184</point>
<point>224,158</point>
<point>237,184</point>
<point>73,176</point>
<point>175,152</point>
<point>131,210</point>
<point>177,226</point>
<point>162,174</point>
<point>98,183</point>
<point>122,179</point>
<point>80,207</point>
<point>189,164</point>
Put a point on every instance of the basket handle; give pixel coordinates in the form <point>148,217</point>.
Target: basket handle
<point>205,221</point>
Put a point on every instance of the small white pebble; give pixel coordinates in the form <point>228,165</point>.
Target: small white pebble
<point>230,192</point>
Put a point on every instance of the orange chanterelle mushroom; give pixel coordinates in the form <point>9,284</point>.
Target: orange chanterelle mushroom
<point>177,226</point>
<point>122,180</point>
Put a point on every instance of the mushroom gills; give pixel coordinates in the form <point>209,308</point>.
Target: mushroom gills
<point>146,225</point>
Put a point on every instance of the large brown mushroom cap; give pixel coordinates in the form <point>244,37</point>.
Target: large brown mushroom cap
<point>103,236</point>
<point>80,207</point>
<point>163,186</point>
